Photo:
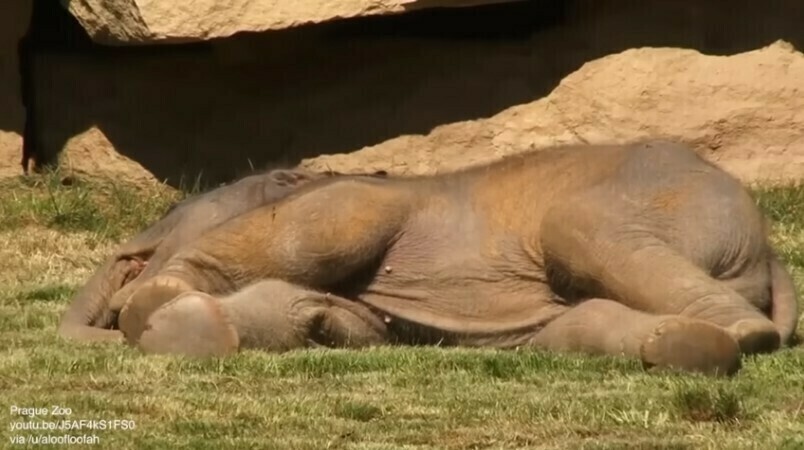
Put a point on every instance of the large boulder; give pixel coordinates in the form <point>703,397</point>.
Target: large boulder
<point>141,21</point>
<point>744,112</point>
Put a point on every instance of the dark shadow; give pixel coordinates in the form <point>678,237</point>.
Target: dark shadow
<point>14,23</point>
<point>257,99</point>
<point>50,30</point>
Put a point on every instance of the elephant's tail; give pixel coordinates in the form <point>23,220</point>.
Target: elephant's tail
<point>784,304</point>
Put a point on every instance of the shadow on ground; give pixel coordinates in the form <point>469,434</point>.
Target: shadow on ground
<point>253,100</point>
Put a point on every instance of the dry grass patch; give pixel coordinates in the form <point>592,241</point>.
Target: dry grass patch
<point>53,236</point>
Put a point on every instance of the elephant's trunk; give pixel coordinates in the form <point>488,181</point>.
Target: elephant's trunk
<point>784,309</point>
<point>89,318</point>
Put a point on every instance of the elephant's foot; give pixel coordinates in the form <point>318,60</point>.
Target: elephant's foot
<point>692,345</point>
<point>144,301</point>
<point>192,324</point>
<point>756,336</point>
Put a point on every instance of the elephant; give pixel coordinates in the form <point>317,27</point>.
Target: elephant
<point>644,250</point>
<point>91,317</point>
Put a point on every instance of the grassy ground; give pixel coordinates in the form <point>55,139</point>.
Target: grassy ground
<point>52,236</point>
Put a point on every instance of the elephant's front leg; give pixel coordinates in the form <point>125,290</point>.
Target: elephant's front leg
<point>307,240</point>
<point>605,327</point>
<point>270,315</point>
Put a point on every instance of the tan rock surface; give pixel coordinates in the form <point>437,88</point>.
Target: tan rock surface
<point>137,21</point>
<point>90,154</point>
<point>745,112</point>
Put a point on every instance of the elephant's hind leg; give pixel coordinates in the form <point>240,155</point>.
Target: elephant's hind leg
<point>605,327</point>
<point>629,264</point>
<point>270,315</point>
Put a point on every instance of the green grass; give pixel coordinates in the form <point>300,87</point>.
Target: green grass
<point>68,204</point>
<point>53,235</point>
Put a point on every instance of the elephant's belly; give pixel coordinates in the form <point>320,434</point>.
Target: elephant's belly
<point>461,312</point>
<point>460,280</point>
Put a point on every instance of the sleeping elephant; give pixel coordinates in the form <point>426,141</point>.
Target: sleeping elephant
<point>644,250</point>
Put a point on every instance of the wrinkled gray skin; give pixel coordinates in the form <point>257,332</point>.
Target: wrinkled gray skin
<point>91,316</point>
<point>644,250</point>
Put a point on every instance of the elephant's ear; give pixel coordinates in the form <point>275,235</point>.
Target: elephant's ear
<point>290,177</point>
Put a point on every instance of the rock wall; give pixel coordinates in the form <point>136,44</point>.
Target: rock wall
<point>149,21</point>
<point>224,107</point>
<point>744,112</point>
<point>418,96</point>
<point>14,19</point>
